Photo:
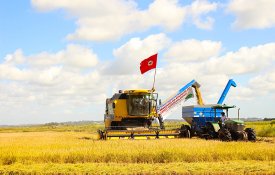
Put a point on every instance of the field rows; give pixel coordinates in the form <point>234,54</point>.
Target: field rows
<point>80,152</point>
<point>70,147</point>
<point>63,152</point>
<point>219,168</point>
<point>262,128</point>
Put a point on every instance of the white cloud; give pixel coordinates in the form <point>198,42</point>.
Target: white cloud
<point>15,58</point>
<point>73,55</point>
<point>193,50</point>
<point>10,72</point>
<point>53,78</point>
<point>213,70</point>
<point>56,80</point>
<point>158,11</point>
<point>129,55</point>
<point>257,14</point>
<point>245,60</point>
<point>107,20</point>
<point>264,82</point>
<point>199,8</point>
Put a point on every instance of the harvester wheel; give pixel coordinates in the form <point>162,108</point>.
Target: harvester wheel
<point>251,135</point>
<point>132,136</point>
<point>100,135</point>
<point>224,134</point>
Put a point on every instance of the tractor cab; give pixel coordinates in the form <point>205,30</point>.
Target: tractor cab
<point>235,125</point>
<point>219,109</point>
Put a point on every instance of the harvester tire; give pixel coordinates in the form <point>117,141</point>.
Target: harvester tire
<point>100,135</point>
<point>224,135</point>
<point>251,135</point>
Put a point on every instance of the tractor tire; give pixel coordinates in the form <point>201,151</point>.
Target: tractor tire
<point>238,136</point>
<point>184,132</point>
<point>212,134</point>
<point>235,136</point>
<point>244,137</point>
<point>251,135</point>
<point>224,135</point>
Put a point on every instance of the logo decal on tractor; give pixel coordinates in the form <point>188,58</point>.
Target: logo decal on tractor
<point>150,63</point>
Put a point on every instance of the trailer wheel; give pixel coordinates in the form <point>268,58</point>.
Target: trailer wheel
<point>251,135</point>
<point>184,132</point>
<point>224,135</point>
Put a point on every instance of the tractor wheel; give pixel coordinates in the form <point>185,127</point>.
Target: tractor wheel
<point>184,132</point>
<point>244,137</point>
<point>251,135</point>
<point>224,134</point>
<point>240,135</point>
<point>211,131</point>
<point>235,136</point>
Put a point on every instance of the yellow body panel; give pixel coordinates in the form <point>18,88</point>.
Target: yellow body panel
<point>120,110</point>
<point>138,91</point>
<point>117,112</point>
<point>107,123</point>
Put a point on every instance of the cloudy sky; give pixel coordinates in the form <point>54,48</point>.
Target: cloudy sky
<point>60,60</point>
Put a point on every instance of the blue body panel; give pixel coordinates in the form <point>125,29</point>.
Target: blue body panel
<point>186,86</point>
<point>199,115</point>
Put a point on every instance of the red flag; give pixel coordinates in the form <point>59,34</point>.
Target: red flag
<point>148,64</point>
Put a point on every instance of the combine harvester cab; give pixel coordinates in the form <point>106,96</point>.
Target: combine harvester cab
<point>205,121</point>
<point>130,113</point>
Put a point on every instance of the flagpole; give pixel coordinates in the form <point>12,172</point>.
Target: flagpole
<point>154,79</point>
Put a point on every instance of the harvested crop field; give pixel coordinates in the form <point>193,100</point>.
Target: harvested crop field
<point>64,152</point>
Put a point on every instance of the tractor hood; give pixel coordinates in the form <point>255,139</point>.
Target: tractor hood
<point>234,122</point>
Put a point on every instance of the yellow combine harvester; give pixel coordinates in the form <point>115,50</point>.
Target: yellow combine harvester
<point>130,113</point>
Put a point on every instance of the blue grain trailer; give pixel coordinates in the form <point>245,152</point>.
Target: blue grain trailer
<point>205,121</point>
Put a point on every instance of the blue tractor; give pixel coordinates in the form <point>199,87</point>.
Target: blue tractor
<point>206,121</point>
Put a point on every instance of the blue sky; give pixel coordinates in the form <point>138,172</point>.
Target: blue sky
<point>59,61</point>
